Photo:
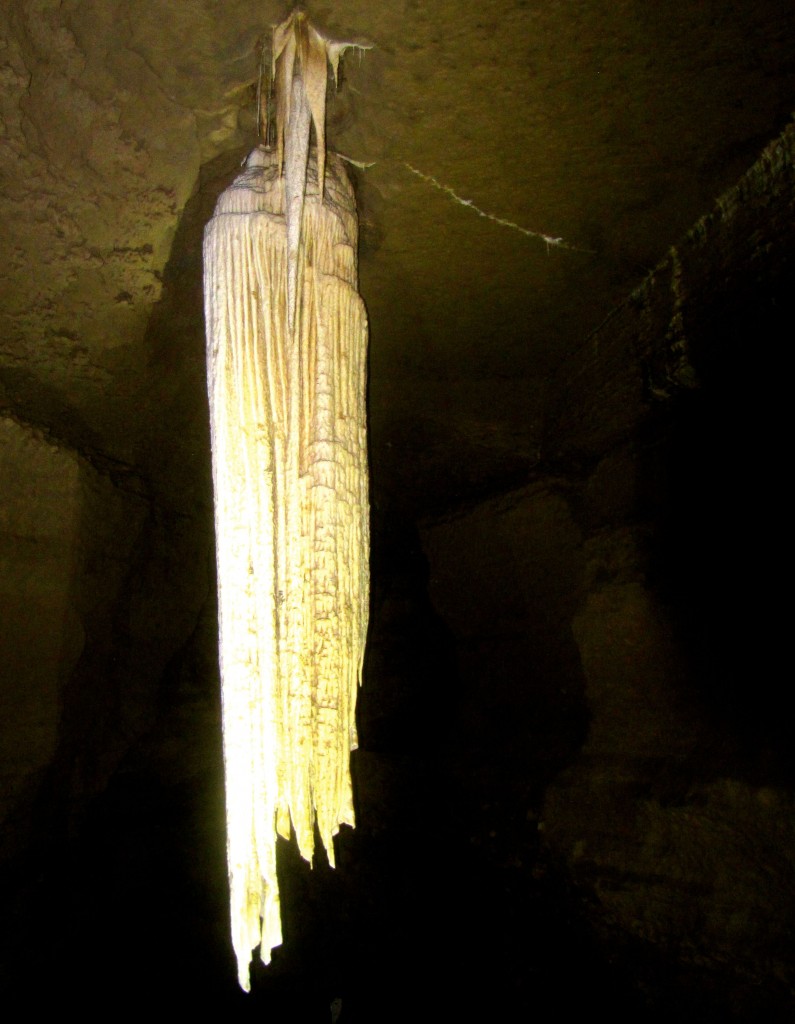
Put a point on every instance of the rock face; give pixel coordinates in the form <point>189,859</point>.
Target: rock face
<point>67,536</point>
<point>574,735</point>
<point>41,503</point>
<point>677,812</point>
<point>630,589</point>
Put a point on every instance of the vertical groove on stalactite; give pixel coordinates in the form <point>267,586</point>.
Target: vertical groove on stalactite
<point>292,526</point>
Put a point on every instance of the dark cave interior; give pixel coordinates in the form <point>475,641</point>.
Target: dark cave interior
<point>575,780</point>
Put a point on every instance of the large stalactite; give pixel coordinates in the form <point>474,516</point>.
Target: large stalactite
<point>286,380</point>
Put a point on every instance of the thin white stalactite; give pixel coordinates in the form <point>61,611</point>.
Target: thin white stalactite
<point>290,479</point>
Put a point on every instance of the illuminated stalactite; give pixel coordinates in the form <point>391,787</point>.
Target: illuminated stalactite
<point>287,406</point>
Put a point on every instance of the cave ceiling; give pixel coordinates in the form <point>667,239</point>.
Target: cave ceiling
<point>587,136</point>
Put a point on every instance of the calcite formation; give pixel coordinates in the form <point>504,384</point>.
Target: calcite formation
<point>291,500</point>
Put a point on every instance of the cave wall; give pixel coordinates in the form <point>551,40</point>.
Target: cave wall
<point>618,688</point>
<point>66,536</point>
<point>631,580</point>
<point>106,549</point>
<point>102,585</point>
<point>505,578</point>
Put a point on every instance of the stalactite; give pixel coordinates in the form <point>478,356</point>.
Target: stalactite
<point>287,407</point>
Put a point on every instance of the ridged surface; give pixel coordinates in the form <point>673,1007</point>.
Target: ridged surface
<point>291,509</point>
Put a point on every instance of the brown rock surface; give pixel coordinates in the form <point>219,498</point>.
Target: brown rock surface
<point>577,530</point>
